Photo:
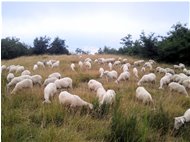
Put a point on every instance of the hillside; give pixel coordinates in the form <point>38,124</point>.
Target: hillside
<point>25,118</point>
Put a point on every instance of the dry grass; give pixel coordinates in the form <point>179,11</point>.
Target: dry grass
<point>25,118</point>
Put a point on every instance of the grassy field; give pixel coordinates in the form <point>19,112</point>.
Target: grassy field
<point>25,118</point>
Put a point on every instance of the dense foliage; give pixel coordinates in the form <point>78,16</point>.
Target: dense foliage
<point>173,48</point>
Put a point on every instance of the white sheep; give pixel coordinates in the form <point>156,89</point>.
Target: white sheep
<point>87,65</point>
<point>143,69</point>
<point>19,68</point>
<point>12,68</point>
<point>110,66</point>
<point>125,67</point>
<point>148,64</point>
<point>177,67</point>
<point>88,60</point>
<point>101,71</point>
<point>65,82</point>
<point>80,64</point>
<point>39,63</point>
<point>170,70</point>
<point>49,91</point>
<point>26,83</point>
<point>56,64</point>
<point>187,72</point>
<point>179,121</point>
<point>37,79</point>
<point>135,72</point>
<point>138,63</point>
<point>3,67</point>
<point>173,86</point>
<point>165,80</point>
<point>151,77</point>
<point>72,101</point>
<point>143,95</point>
<point>93,85</point>
<point>49,80</point>
<point>55,74</point>
<point>110,74</point>
<point>123,76</point>
<point>26,72</point>
<point>100,93</point>
<point>10,76</point>
<point>186,83</point>
<point>161,70</point>
<point>73,67</point>
<point>35,67</point>
<point>124,60</point>
<point>182,66</point>
<point>116,63</point>
<point>108,97</point>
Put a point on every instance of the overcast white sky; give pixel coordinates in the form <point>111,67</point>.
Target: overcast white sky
<point>90,25</point>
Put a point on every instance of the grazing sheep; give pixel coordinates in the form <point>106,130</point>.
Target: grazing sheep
<point>110,75</point>
<point>3,67</point>
<point>65,82</point>
<point>138,63</point>
<point>124,60</point>
<point>177,67</point>
<point>148,64</point>
<point>26,83</point>
<point>56,64</point>
<point>73,67</point>
<point>26,72</point>
<point>182,66</point>
<point>80,64</point>
<point>49,80</point>
<point>49,63</point>
<point>168,70</point>
<point>37,79</point>
<point>40,64</point>
<point>93,85</point>
<point>143,95</point>
<point>123,76</point>
<point>49,91</point>
<point>35,67</point>
<point>19,68</point>
<point>108,97</point>
<point>151,77</point>
<point>165,80</point>
<point>179,121</point>
<point>87,65</point>
<point>116,63</point>
<point>135,72</point>
<point>161,70</point>
<point>55,74</point>
<point>110,66</point>
<point>88,60</point>
<point>173,86</point>
<point>72,101</point>
<point>12,68</point>
<point>186,83</point>
<point>100,93</point>
<point>187,72</point>
<point>101,71</point>
<point>10,76</point>
<point>152,61</point>
<point>125,67</point>
<point>143,69</point>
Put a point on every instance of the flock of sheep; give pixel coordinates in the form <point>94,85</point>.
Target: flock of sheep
<point>55,83</point>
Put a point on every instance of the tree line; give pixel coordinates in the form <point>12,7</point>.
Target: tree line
<point>11,47</point>
<point>173,48</point>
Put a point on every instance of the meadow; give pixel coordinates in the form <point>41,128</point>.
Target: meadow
<point>25,119</point>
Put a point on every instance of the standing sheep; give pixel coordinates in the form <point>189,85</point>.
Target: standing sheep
<point>151,77</point>
<point>35,67</point>
<point>93,85</point>
<point>49,91</point>
<point>110,75</point>
<point>173,86</point>
<point>55,74</point>
<point>110,66</point>
<point>49,80</point>
<point>108,97</point>
<point>73,67</point>
<point>101,71</point>
<point>165,80</point>
<point>65,82</point>
<point>123,76</point>
<point>56,64</point>
<point>10,76</point>
<point>26,72</point>
<point>135,72</point>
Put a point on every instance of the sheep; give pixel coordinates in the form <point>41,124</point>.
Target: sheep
<point>138,63</point>
<point>125,67</point>
<point>182,66</point>
<point>123,76</point>
<point>124,60</point>
<point>187,72</point>
<point>26,83</point>
<point>19,68</point>
<point>135,72</point>
<point>148,64</point>
<point>49,80</point>
<point>80,64</point>
<point>173,86</point>
<point>116,63</point>
<point>165,80</point>
<point>152,61</point>
<point>168,70</point>
<point>143,95</point>
<point>3,67</point>
<point>87,65</point>
<point>49,91</point>
<point>101,71</point>
<point>110,66</point>
<point>26,72</point>
<point>55,74</point>
<point>56,64</point>
<point>73,67</point>
<point>108,97</point>
<point>12,68</point>
<point>143,69</point>
<point>151,77</point>
<point>161,70</point>
<point>65,82</point>
<point>93,85</point>
<point>186,83</point>
<point>88,60</point>
<point>110,74</point>
<point>72,101</point>
<point>100,93</point>
<point>39,63</point>
<point>35,67</point>
<point>177,67</point>
<point>37,79</point>
<point>179,121</point>
<point>10,76</point>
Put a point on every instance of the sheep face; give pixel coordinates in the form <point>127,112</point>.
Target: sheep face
<point>179,121</point>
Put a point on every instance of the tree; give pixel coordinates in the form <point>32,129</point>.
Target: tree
<point>58,46</point>
<point>100,51</point>
<point>40,45</point>
<point>80,51</point>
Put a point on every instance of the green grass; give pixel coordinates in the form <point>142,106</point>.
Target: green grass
<point>25,118</point>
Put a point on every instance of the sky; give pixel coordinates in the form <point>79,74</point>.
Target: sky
<point>90,25</point>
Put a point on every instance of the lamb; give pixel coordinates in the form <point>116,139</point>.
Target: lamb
<point>110,66</point>
<point>10,76</point>
<point>123,76</point>
<point>108,97</point>
<point>143,95</point>
<point>173,86</point>
<point>26,72</point>
<point>55,74</point>
<point>135,72</point>
<point>39,63</point>
<point>110,74</point>
<point>93,85</point>
<point>26,83</point>
<point>87,65</point>
<point>151,77</point>
<point>49,80</point>
<point>101,71</point>
<point>73,67</point>
<point>179,121</point>
<point>165,80</point>
<point>37,79</point>
<point>49,91</point>
<point>35,67</point>
<point>72,101</point>
<point>100,93</point>
<point>56,64</point>
<point>65,82</point>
